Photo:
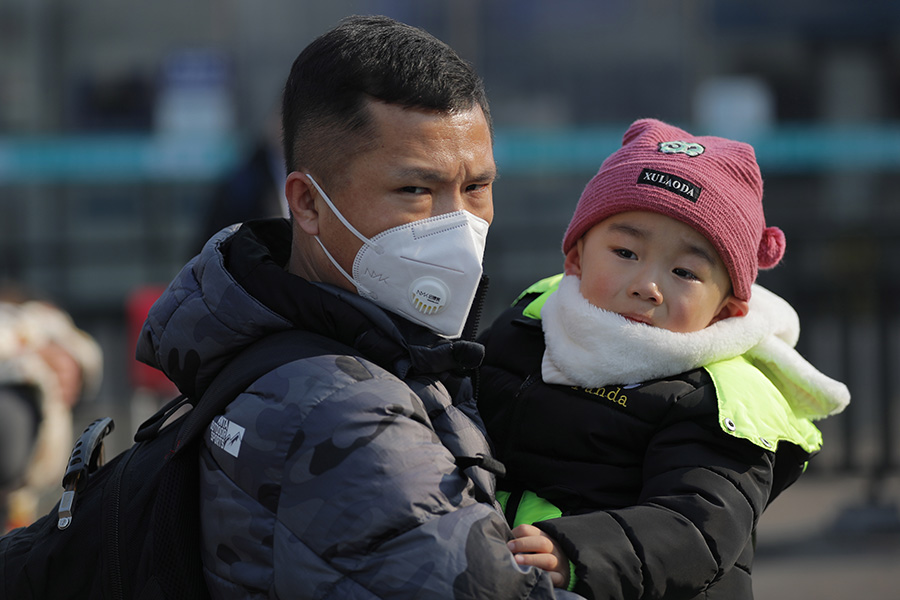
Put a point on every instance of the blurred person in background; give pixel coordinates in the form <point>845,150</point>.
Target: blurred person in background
<point>253,189</point>
<point>47,365</point>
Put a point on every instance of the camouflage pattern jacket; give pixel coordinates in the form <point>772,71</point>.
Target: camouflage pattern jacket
<point>334,476</point>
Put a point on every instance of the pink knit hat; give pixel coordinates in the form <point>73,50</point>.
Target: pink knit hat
<point>710,183</point>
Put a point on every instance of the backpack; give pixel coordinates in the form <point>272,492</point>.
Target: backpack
<point>130,528</point>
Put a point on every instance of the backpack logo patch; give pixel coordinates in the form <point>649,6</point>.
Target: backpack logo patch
<point>226,435</point>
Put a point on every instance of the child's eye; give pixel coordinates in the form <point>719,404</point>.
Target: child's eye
<point>685,274</point>
<point>624,253</point>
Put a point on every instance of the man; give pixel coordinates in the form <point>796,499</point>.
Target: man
<point>355,473</point>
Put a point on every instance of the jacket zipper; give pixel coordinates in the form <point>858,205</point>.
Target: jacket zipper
<point>516,410</point>
<point>529,381</point>
<point>474,318</point>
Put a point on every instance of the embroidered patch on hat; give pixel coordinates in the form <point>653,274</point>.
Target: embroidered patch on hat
<point>678,147</point>
<point>673,183</point>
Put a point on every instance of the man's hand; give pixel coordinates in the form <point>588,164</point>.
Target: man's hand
<point>535,548</point>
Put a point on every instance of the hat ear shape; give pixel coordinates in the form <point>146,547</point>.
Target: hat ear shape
<point>638,128</point>
<point>771,247</point>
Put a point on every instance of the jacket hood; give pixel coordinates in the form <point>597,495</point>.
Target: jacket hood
<point>237,291</point>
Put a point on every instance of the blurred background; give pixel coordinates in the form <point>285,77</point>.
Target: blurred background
<point>123,124</point>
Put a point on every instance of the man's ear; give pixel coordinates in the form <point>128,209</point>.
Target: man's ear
<point>300,196</point>
<point>572,264</point>
<point>731,307</point>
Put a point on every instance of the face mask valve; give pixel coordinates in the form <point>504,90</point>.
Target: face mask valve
<point>429,295</point>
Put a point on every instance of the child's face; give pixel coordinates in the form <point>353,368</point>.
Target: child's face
<point>653,269</point>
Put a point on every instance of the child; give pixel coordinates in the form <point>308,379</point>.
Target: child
<point>649,403</point>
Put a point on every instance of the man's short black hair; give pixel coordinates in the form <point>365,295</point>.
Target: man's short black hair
<point>365,58</point>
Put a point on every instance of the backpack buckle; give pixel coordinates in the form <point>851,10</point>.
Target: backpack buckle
<point>87,456</point>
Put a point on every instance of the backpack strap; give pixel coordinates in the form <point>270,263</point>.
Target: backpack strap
<point>258,359</point>
<point>175,571</point>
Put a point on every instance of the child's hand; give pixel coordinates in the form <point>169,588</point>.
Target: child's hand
<point>535,548</point>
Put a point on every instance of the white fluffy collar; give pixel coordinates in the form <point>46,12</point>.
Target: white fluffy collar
<point>591,347</point>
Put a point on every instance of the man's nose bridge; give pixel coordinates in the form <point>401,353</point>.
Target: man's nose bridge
<point>459,200</point>
<point>450,200</point>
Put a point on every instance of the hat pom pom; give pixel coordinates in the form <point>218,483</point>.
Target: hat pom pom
<point>771,247</point>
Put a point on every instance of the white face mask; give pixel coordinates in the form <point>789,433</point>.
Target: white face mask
<point>427,271</point>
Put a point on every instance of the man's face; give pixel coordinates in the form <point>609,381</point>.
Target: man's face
<point>653,269</point>
<point>421,164</point>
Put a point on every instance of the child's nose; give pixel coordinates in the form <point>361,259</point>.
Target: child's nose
<point>645,288</point>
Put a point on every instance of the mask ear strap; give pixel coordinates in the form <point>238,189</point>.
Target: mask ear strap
<point>343,272</point>
<point>346,223</point>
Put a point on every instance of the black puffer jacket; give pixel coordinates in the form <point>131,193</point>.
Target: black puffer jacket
<point>657,501</point>
<point>340,475</point>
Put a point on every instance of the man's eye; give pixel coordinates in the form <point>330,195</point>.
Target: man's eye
<point>476,187</point>
<point>412,189</point>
